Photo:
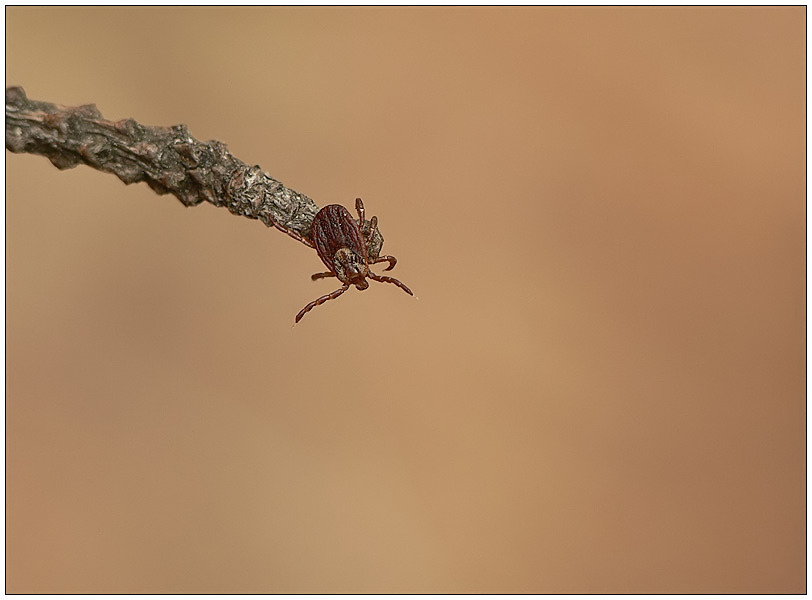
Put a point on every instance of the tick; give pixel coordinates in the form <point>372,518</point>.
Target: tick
<point>344,247</point>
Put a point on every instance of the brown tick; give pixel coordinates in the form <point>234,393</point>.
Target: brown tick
<point>345,247</point>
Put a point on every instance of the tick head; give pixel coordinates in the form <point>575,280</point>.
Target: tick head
<point>350,267</point>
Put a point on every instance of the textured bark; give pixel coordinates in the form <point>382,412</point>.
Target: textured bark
<point>168,159</point>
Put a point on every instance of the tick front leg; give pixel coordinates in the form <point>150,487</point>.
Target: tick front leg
<point>294,234</point>
<point>385,279</point>
<point>359,206</point>
<point>322,300</point>
<point>370,235</point>
<point>391,259</point>
<point>316,276</point>
<point>373,227</point>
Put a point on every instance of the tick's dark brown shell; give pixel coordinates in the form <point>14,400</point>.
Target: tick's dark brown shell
<point>333,229</point>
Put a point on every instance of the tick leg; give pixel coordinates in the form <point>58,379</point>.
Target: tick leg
<point>392,261</point>
<point>359,206</point>
<point>316,276</point>
<point>294,234</point>
<point>322,300</point>
<point>373,227</point>
<point>385,279</point>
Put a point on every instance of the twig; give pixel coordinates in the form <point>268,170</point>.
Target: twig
<point>168,159</point>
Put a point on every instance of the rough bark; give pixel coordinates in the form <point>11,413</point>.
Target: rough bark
<point>168,159</point>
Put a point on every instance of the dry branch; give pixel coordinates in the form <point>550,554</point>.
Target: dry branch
<point>168,159</point>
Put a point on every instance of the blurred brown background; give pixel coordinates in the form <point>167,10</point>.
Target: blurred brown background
<point>600,389</point>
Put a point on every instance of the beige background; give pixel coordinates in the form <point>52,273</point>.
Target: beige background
<point>600,389</point>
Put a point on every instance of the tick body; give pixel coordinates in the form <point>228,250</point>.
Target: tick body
<point>344,247</point>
